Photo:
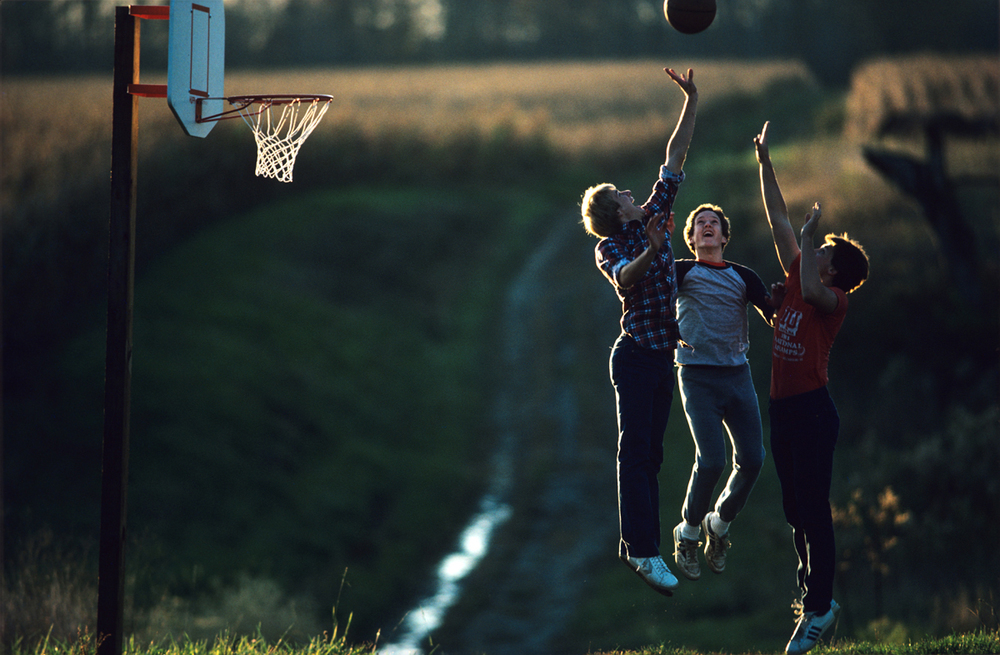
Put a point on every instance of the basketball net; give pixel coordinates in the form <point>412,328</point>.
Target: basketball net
<point>280,136</point>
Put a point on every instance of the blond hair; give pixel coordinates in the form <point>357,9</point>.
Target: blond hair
<point>599,209</point>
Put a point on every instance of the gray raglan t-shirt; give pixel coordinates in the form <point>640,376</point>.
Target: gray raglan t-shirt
<point>712,312</point>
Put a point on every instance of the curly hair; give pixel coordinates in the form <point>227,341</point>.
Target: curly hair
<point>850,261</point>
<point>689,224</point>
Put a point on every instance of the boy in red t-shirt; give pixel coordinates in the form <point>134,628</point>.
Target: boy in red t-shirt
<point>804,419</point>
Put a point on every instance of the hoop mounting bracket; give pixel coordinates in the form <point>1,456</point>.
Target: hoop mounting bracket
<point>148,90</point>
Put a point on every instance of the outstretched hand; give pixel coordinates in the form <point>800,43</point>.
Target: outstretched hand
<point>760,145</point>
<point>812,222</point>
<point>657,229</point>
<point>685,82</point>
<point>777,295</point>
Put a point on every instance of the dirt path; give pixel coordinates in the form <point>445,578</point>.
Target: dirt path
<point>552,465</point>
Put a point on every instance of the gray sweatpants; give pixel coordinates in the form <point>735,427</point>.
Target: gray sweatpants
<point>721,400</point>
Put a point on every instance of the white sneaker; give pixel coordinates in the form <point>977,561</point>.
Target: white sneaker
<point>654,572</point>
<point>810,628</point>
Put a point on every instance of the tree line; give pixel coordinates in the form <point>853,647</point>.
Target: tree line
<point>830,35</point>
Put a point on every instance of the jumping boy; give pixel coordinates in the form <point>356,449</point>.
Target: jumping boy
<point>716,387</point>
<point>804,419</point>
<point>634,253</point>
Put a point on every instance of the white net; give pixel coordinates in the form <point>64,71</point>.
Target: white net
<point>280,136</point>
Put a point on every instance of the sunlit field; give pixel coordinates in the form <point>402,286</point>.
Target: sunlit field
<point>579,105</point>
<point>575,100</point>
<point>51,142</point>
<point>53,146</point>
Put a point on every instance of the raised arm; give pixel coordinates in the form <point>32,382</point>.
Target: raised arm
<point>814,291</point>
<point>681,138</point>
<point>774,204</point>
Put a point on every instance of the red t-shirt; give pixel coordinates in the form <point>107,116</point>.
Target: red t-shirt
<point>803,336</point>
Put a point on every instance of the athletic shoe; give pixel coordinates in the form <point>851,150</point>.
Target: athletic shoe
<point>810,627</point>
<point>716,548</point>
<point>686,554</point>
<point>654,572</point>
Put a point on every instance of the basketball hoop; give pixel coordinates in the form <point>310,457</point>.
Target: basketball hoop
<point>278,136</point>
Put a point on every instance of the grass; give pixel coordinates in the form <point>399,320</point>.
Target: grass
<point>334,644</point>
<point>295,353</point>
<point>258,337</point>
<point>224,644</point>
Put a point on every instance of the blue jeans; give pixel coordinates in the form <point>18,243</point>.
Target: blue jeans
<point>804,431</point>
<point>720,400</point>
<point>644,388</point>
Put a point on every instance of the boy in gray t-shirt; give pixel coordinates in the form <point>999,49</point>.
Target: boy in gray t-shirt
<point>716,387</point>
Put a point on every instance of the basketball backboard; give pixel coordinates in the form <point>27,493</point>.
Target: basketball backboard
<point>196,60</point>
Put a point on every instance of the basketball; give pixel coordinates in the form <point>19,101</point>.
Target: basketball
<point>689,16</point>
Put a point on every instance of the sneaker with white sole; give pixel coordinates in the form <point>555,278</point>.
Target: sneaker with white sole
<point>716,548</point>
<point>810,627</point>
<point>686,554</point>
<point>654,572</point>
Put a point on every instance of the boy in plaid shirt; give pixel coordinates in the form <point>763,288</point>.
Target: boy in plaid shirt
<point>634,253</point>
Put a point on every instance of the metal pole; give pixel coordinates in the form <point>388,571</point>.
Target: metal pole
<point>118,363</point>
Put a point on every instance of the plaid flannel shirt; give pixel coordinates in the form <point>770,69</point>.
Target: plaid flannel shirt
<point>648,313</point>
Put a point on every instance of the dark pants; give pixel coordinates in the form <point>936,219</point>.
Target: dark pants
<point>644,388</point>
<point>804,432</point>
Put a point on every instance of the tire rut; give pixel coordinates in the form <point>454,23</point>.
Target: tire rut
<point>561,489</point>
